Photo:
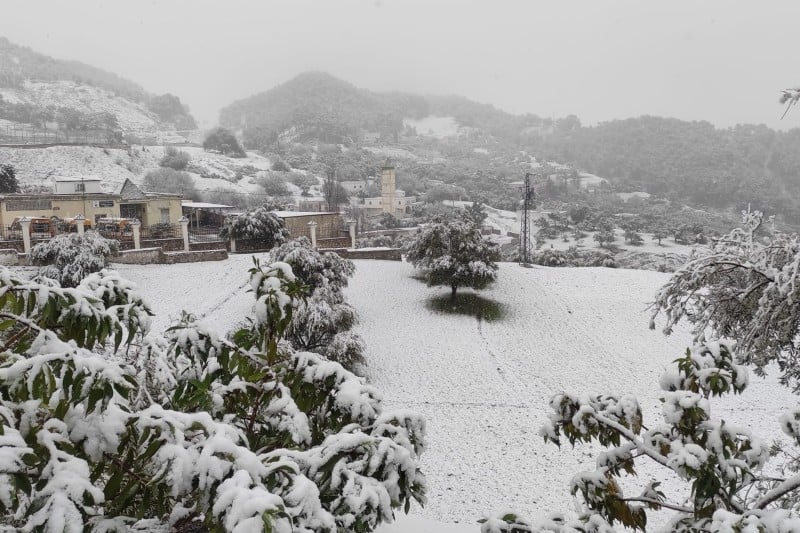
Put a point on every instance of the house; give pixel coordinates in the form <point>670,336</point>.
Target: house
<point>150,208</point>
<point>84,196</point>
<point>353,186</point>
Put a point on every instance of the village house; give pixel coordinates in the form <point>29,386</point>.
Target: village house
<point>84,196</point>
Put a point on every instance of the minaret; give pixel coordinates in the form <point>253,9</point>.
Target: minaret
<point>388,188</point>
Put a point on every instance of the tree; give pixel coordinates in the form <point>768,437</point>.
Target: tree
<point>454,253</point>
<point>68,258</point>
<point>260,224</point>
<point>322,322</point>
<point>223,141</point>
<point>8,179</point>
<point>476,212</point>
<point>170,181</point>
<point>174,159</point>
<point>745,289</point>
<point>721,464</point>
<point>660,234</point>
<point>604,237</point>
<point>109,427</point>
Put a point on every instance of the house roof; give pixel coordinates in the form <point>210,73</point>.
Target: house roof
<point>205,205</point>
<point>76,178</point>
<point>130,191</point>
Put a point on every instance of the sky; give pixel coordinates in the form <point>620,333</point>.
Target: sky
<point>724,61</point>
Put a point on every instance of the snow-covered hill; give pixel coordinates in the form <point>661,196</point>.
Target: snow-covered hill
<point>484,384</point>
<point>210,171</point>
<point>132,116</point>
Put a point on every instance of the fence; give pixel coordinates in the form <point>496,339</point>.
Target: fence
<point>18,135</point>
<point>204,234</point>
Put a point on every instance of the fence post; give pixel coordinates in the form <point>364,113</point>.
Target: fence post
<point>233,246</point>
<point>313,227</point>
<point>25,223</point>
<point>185,231</point>
<point>352,224</point>
<point>136,226</point>
<point>79,220</point>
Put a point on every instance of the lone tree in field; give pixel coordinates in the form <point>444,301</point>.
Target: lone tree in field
<point>453,252</point>
<point>260,224</point>
<point>745,289</point>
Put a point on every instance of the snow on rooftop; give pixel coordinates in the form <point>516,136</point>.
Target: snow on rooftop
<point>290,214</point>
<point>204,205</point>
<point>76,178</point>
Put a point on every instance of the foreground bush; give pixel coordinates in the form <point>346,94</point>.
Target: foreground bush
<point>70,257</point>
<point>721,464</point>
<point>106,427</point>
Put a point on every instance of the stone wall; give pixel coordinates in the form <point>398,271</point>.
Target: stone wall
<point>10,256</point>
<point>143,256</point>
<point>338,242</point>
<point>386,254</point>
<point>150,256</point>
<point>195,256</point>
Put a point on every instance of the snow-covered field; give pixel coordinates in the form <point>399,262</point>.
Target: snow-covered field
<point>484,384</point>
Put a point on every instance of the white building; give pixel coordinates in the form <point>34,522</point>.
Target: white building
<point>392,200</point>
<point>78,185</point>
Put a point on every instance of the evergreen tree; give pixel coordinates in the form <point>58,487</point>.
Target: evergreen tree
<point>8,179</point>
<point>260,224</point>
<point>454,253</point>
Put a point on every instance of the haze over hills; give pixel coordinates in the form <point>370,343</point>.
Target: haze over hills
<point>465,141</point>
<point>39,90</point>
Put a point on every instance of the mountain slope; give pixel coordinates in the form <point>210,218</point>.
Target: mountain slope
<point>316,105</point>
<point>37,89</point>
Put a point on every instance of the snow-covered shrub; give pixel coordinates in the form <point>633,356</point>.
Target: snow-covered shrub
<point>453,252</point>
<point>70,257</point>
<point>322,321</point>
<point>743,289</point>
<point>174,159</point>
<point>575,257</point>
<point>259,224</point>
<point>722,464</point>
<point>106,427</point>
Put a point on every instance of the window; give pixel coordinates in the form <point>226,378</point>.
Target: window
<point>80,187</point>
<point>164,215</point>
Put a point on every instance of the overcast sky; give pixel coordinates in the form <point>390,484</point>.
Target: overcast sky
<point>723,61</point>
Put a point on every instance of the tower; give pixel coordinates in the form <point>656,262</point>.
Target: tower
<point>387,189</point>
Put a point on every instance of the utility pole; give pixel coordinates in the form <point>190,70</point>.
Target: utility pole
<point>525,229</point>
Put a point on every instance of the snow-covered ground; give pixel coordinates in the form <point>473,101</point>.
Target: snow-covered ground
<point>484,384</point>
<point>433,126</point>
<point>38,166</point>
<point>131,116</point>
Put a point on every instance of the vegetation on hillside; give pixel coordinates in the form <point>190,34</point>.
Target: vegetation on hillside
<point>20,63</point>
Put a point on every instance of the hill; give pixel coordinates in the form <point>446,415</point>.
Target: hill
<point>483,384</point>
<point>47,93</point>
<point>316,105</point>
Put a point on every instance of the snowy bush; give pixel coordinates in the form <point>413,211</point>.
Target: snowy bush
<point>259,224</point>
<point>70,257</point>
<point>322,321</point>
<point>454,253</point>
<point>106,427</point>
<point>721,464</point>
<point>174,159</point>
<point>744,289</point>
